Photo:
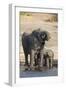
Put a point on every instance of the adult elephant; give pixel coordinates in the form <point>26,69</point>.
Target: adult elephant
<point>32,43</point>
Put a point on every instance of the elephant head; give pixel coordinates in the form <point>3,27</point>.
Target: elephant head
<point>41,36</point>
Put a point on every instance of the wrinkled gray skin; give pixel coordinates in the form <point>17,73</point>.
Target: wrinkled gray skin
<point>33,42</point>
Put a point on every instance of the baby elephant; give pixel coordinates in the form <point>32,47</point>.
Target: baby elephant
<point>47,58</point>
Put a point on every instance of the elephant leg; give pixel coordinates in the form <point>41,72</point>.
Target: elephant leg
<point>47,62</point>
<point>36,62</point>
<point>51,62</point>
<point>35,59</point>
<point>32,60</point>
<point>26,59</point>
<point>41,60</point>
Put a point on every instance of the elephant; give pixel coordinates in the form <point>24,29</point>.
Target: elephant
<point>48,57</point>
<point>32,43</point>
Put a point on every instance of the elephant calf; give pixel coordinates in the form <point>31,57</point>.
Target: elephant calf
<point>48,57</point>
